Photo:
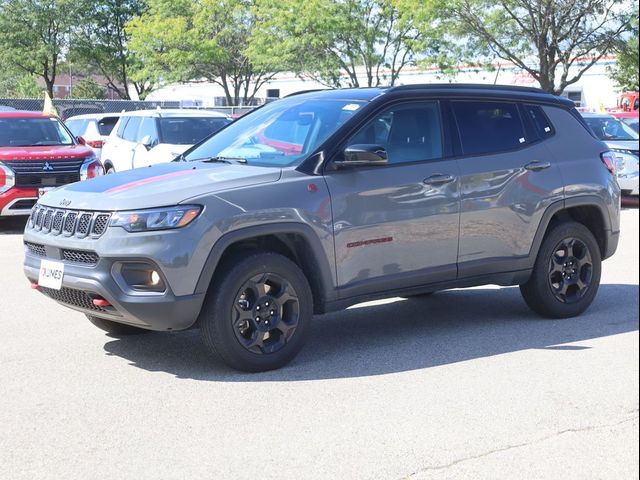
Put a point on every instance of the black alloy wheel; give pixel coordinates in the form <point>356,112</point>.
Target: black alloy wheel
<point>566,273</point>
<point>570,270</point>
<point>257,312</point>
<point>265,314</point>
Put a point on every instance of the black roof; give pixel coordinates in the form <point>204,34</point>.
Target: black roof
<point>448,89</point>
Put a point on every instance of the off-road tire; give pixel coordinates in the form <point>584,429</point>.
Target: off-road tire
<point>221,310</point>
<point>538,292</point>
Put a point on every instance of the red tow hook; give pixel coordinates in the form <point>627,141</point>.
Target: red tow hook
<point>35,286</point>
<point>101,302</point>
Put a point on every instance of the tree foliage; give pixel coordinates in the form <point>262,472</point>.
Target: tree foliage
<point>88,88</point>
<point>335,41</point>
<point>100,43</point>
<point>553,41</point>
<point>625,72</point>
<point>184,40</point>
<point>34,35</point>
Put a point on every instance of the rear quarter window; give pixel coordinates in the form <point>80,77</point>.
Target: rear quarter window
<point>488,127</point>
<point>106,124</point>
<point>541,124</point>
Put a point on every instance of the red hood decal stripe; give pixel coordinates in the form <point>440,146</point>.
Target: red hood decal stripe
<point>127,186</point>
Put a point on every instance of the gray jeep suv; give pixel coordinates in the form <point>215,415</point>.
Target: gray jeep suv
<point>326,199</point>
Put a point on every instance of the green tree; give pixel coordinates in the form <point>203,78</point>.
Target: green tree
<point>184,40</point>
<point>334,41</point>
<point>34,34</point>
<point>88,88</point>
<point>625,72</point>
<point>101,41</point>
<point>556,42</point>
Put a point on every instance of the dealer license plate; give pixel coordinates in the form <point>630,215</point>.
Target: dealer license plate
<point>51,274</point>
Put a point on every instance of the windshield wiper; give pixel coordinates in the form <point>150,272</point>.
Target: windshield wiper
<point>221,160</point>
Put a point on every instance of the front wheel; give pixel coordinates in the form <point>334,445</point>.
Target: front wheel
<point>566,275</point>
<point>257,313</point>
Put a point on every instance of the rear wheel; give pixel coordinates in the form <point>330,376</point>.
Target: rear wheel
<point>566,275</point>
<point>257,314</point>
<point>115,328</point>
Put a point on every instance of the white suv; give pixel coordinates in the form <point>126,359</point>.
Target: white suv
<point>147,137</point>
<point>94,128</point>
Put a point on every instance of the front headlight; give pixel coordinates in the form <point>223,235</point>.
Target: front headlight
<point>7,178</point>
<point>156,219</point>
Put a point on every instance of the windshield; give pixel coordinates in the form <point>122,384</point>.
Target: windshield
<point>189,130</point>
<point>609,128</point>
<point>632,122</point>
<point>280,134</point>
<point>32,132</point>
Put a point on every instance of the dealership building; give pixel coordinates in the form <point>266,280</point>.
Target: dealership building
<point>593,91</point>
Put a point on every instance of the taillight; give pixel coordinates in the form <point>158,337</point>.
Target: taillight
<point>609,160</point>
<point>7,178</point>
<point>91,168</point>
<point>96,143</point>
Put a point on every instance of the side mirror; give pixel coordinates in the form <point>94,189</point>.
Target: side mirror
<point>363,155</point>
<point>146,141</point>
<point>81,140</point>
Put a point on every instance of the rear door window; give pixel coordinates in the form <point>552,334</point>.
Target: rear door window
<point>488,127</point>
<point>121,126</point>
<point>131,130</point>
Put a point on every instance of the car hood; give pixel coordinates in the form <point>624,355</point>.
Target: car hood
<point>159,185</point>
<point>623,144</point>
<point>50,152</point>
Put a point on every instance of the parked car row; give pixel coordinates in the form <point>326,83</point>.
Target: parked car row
<point>623,141</point>
<point>39,152</point>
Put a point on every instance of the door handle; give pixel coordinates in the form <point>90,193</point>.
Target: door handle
<point>439,179</point>
<point>536,166</point>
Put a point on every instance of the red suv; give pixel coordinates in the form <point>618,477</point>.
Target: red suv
<point>38,153</point>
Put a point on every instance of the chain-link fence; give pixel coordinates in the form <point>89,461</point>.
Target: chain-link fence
<point>67,108</point>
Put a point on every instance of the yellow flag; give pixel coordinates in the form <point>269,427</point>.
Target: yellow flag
<point>49,108</point>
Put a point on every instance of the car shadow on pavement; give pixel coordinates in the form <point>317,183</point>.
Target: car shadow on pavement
<point>13,225</point>
<point>447,327</point>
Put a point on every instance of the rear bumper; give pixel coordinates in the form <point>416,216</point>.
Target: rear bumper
<point>17,201</point>
<point>152,311</point>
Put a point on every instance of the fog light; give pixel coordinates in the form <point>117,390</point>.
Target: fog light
<point>140,276</point>
<point>155,278</point>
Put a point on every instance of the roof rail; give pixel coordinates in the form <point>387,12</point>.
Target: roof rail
<point>467,86</point>
<point>306,91</point>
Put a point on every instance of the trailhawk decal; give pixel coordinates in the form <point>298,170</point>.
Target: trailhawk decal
<point>374,241</point>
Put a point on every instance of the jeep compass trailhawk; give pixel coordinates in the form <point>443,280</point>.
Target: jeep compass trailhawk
<point>329,198</point>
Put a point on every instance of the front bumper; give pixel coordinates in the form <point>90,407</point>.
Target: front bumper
<point>81,284</point>
<point>92,270</point>
<point>17,201</point>
<point>629,183</point>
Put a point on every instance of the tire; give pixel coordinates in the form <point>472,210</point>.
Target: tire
<point>257,294</point>
<point>115,328</point>
<point>566,274</point>
<point>110,170</point>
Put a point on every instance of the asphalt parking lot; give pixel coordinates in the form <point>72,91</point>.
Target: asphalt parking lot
<point>463,384</point>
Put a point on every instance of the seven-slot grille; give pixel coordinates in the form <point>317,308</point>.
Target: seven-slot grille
<point>58,221</point>
<point>38,173</point>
